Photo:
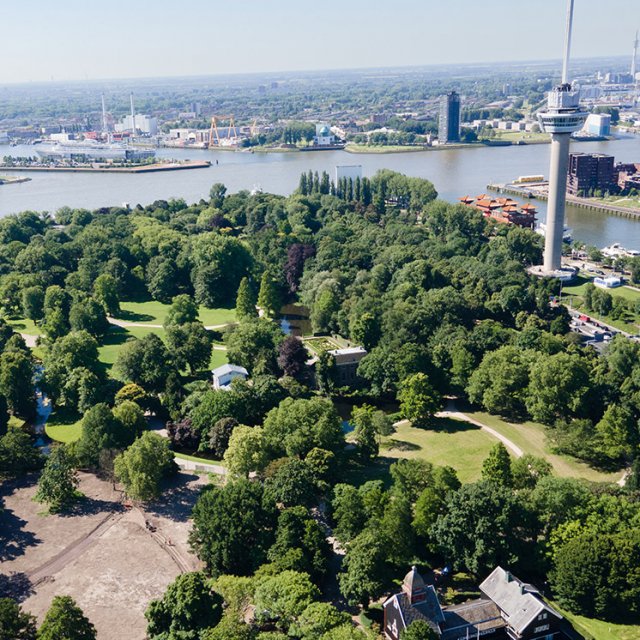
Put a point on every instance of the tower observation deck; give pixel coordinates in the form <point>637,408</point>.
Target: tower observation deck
<point>561,118</point>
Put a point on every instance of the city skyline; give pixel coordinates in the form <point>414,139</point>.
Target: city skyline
<point>157,39</point>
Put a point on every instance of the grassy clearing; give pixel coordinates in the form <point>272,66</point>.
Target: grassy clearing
<point>593,629</point>
<point>197,459</point>
<point>24,325</point>
<point>218,358</point>
<point>522,136</point>
<point>15,422</point>
<point>460,445</point>
<point>154,312</point>
<point>115,339</point>
<point>630,202</point>
<point>379,148</point>
<point>62,429</point>
<point>531,438</point>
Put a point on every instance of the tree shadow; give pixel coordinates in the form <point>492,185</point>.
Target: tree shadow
<point>116,336</point>
<point>402,445</point>
<point>178,499</point>
<point>85,506</point>
<point>14,539</point>
<point>16,585</point>
<point>132,316</point>
<point>447,425</point>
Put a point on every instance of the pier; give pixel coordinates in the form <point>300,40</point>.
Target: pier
<point>536,192</point>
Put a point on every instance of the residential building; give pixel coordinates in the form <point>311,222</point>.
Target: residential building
<point>589,172</point>
<point>223,376</point>
<point>449,121</point>
<point>628,176</point>
<point>508,610</point>
<point>347,361</point>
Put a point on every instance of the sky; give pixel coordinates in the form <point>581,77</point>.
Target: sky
<point>89,39</point>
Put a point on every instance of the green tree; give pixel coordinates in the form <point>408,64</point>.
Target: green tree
<point>617,433</point>
<point>227,521</point>
<point>143,465</point>
<point>295,427</point>
<point>349,513</point>
<point>365,568</point>
<point>219,436</point>
<point>105,291</point>
<point>365,431</point>
<point>17,454</point>
<point>365,330</point>
<point>419,401</point>
<point>292,357</point>
<point>146,362</point>
<point>66,621</point>
<point>497,466</point>
<point>131,418</point>
<point>246,450</point>
<point>418,630</point>
<point>33,303</point>
<point>282,598</point>
<point>269,296</point>
<point>254,346</point>
<point>294,483</point>
<point>500,382</point>
<point>217,194</point>
<point>58,483</point>
<point>188,607</point>
<point>190,346</point>
<point>527,470</point>
<point>482,527</point>
<point>318,619</point>
<point>16,383</point>
<point>246,301</point>
<point>88,315</point>
<point>183,310</point>
<point>15,624</point>
<point>560,387</point>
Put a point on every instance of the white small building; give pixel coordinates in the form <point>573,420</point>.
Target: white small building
<point>347,361</point>
<point>224,375</point>
<point>609,282</point>
<point>323,137</point>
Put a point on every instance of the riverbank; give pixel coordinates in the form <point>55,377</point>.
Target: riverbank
<point>13,179</point>
<point>536,192</point>
<point>147,168</point>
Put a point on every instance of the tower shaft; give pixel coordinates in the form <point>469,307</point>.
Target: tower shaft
<point>555,210</point>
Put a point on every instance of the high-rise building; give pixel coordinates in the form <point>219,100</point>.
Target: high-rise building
<point>590,172</point>
<point>562,117</point>
<point>449,122</point>
<point>634,58</point>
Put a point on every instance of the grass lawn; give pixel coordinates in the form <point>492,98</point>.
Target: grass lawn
<point>447,442</point>
<point>23,325</point>
<point>632,202</point>
<point>524,136</point>
<point>321,344</point>
<point>593,629</point>
<point>61,429</point>
<point>531,438</point>
<point>116,337</point>
<point>184,456</point>
<point>15,422</point>
<point>154,312</point>
<point>352,147</point>
<point>218,358</point>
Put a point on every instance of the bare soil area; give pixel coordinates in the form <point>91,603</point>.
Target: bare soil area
<point>110,558</point>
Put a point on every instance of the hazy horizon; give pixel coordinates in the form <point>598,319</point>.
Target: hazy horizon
<point>71,40</point>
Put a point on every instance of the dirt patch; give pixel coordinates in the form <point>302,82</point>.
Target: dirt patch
<point>111,560</point>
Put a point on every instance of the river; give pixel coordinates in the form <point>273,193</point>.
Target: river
<point>455,172</point>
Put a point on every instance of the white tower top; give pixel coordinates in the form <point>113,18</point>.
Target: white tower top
<point>634,58</point>
<point>563,114</point>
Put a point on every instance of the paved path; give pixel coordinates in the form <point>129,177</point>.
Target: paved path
<point>29,340</point>
<point>144,325</point>
<point>207,467</point>
<point>452,412</point>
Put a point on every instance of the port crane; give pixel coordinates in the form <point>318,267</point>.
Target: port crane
<point>214,134</point>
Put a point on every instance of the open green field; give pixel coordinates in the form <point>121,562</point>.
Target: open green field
<point>383,148</point>
<point>593,629</point>
<point>61,429</point>
<point>522,136</point>
<point>630,202</point>
<point>531,438</point>
<point>24,325</point>
<point>153,312</point>
<point>460,445</point>
<point>115,339</point>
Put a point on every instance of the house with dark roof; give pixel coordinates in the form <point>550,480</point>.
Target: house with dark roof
<point>508,610</point>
